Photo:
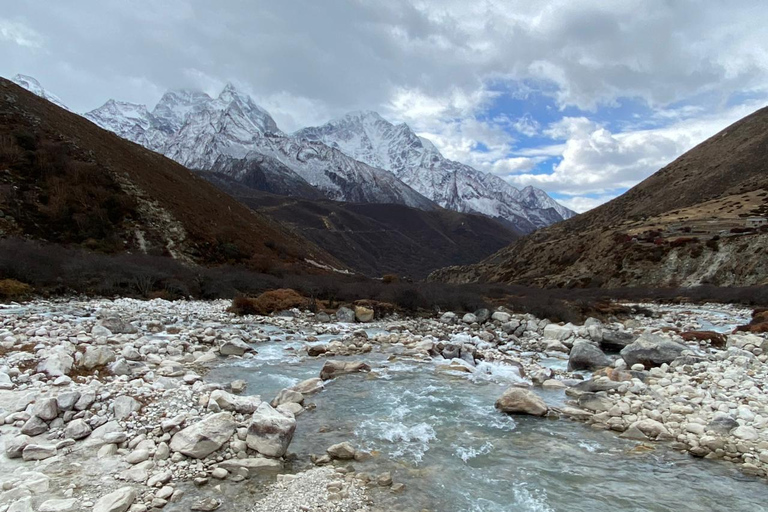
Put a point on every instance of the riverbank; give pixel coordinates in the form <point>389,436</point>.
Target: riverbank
<point>183,406</point>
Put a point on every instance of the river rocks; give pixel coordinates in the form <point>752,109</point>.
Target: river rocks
<point>117,325</point>
<point>316,350</point>
<point>586,356</point>
<point>95,356</point>
<point>341,451</point>
<point>270,432</point>
<point>594,402</point>
<point>333,368</point>
<point>252,466</point>
<point>65,505</point>
<point>38,452</point>
<point>345,315</point>
<point>206,505</point>
<point>15,446</point>
<point>46,409</point>
<point>615,341</point>
<point>501,317</point>
<point>482,315</point>
<point>521,401</point>
<point>234,347</point>
<point>204,437</point>
<point>220,400</point>
<point>469,318</point>
<point>652,350</point>
<point>309,386</point>
<point>58,362</point>
<point>363,314</point>
<point>286,396</point>
<point>557,332</point>
<point>124,406</point>
<point>117,501</point>
<point>77,429</point>
<point>448,318</point>
<point>34,426</point>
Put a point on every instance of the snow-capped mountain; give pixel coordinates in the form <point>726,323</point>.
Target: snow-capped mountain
<point>33,86</point>
<point>233,135</point>
<point>360,157</point>
<point>367,137</point>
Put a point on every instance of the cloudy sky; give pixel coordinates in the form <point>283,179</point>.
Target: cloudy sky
<point>580,98</point>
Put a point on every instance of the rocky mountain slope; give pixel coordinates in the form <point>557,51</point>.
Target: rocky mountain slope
<point>65,180</point>
<point>686,225</point>
<point>379,239</point>
<point>368,137</point>
<point>229,132</point>
<point>359,158</point>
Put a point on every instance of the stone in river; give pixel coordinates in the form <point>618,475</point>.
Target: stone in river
<point>521,401</point>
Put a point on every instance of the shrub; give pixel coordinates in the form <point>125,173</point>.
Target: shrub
<point>13,289</point>
<point>269,302</point>
<point>390,278</point>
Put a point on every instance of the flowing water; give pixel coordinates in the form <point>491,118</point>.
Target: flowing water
<point>440,435</point>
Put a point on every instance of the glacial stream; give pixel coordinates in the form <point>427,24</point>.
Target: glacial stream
<point>440,435</point>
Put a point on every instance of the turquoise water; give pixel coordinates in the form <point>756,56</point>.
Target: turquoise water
<point>441,436</point>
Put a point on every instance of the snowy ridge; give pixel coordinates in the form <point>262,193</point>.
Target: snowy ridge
<point>367,137</point>
<point>33,86</point>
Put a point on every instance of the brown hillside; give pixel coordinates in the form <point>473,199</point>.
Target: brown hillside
<point>685,225</point>
<point>379,239</point>
<point>65,180</point>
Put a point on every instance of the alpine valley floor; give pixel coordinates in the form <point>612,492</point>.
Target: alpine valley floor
<point>157,405</point>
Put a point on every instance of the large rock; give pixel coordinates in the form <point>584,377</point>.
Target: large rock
<point>614,341</point>
<point>557,332</point>
<point>287,396</point>
<point>335,368</point>
<point>482,315</point>
<point>124,406</point>
<point>341,451</point>
<point>77,429</point>
<point>651,350</point>
<point>270,431</point>
<point>56,363</point>
<point>309,386</point>
<point>95,356</point>
<point>501,317</point>
<point>234,347</point>
<point>118,501</point>
<point>14,446</point>
<point>363,314</point>
<point>57,505</point>
<point>46,409</point>
<point>204,437</point>
<point>228,402</point>
<point>521,401</point>
<point>38,452</point>
<point>34,426</point>
<point>118,326</point>
<point>345,315</point>
<point>448,318</point>
<point>586,356</point>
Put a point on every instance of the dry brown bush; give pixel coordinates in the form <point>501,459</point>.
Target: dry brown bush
<point>269,302</point>
<point>13,289</point>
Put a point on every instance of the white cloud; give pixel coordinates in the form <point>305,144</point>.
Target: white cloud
<point>18,33</point>
<point>596,161</point>
<point>581,204</point>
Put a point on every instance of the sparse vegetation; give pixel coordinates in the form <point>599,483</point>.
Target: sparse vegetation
<point>11,289</point>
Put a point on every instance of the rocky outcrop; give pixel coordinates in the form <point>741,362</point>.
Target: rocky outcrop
<point>652,350</point>
<point>586,355</point>
<point>270,432</point>
<point>204,437</point>
<point>521,401</point>
<point>332,369</point>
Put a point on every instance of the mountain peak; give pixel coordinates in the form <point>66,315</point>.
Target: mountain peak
<point>33,85</point>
